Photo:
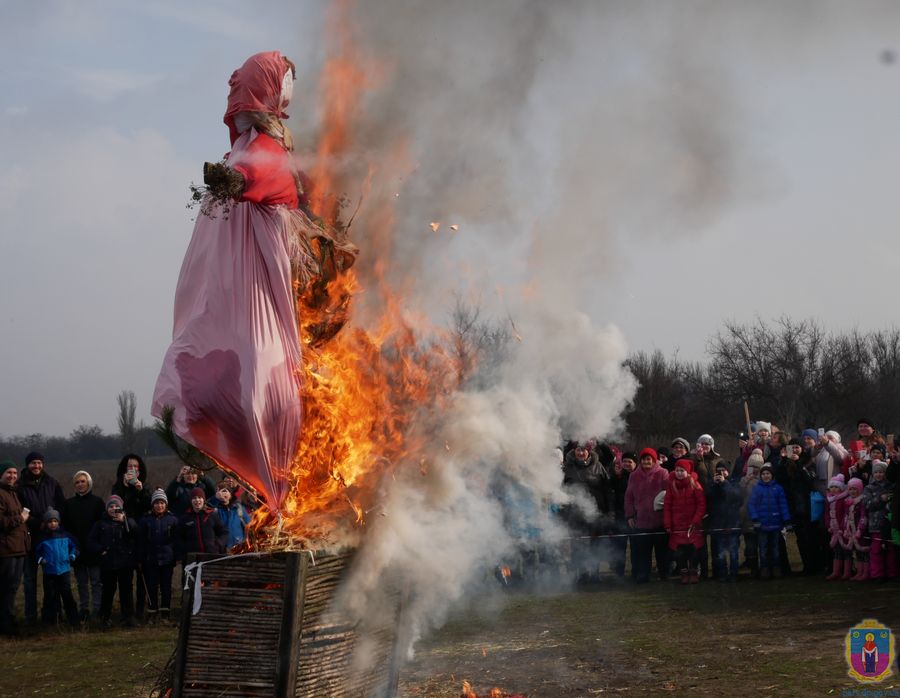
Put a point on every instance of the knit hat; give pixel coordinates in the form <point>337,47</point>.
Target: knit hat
<point>856,483</point>
<point>630,455</point>
<point>7,465</point>
<point>765,466</point>
<point>90,480</point>
<point>837,481</point>
<point>198,492</point>
<point>863,420</point>
<point>763,426</point>
<point>722,465</point>
<point>707,439</point>
<point>833,435</point>
<point>50,515</point>
<point>114,500</point>
<point>879,466</point>
<point>881,448</point>
<point>683,442</point>
<point>158,495</point>
<point>811,433</point>
<point>34,455</point>
<point>649,452</point>
<point>685,463</point>
<point>756,458</point>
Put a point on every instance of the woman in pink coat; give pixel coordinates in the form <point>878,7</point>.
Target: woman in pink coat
<point>685,505</point>
<point>645,519</point>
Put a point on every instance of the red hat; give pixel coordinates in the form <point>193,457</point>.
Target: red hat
<point>685,463</point>
<point>650,452</point>
<point>198,492</point>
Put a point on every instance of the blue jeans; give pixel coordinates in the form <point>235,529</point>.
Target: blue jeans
<point>726,546</point>
<point>769,553</point>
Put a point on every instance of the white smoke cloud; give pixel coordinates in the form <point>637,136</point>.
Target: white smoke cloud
<point>465,93</point>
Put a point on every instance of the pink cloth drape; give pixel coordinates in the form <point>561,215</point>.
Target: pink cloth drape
<point>231,372</point>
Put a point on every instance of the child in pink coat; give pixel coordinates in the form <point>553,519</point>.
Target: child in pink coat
<point>835,517</point>
<point>856,534</point>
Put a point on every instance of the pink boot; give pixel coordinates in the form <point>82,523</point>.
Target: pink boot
<point>835,571</point>
<point>848,564</point>
<point>862,574</point>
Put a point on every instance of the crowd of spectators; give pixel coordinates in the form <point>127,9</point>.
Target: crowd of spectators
<point>691,511</point>
<point>126,544</point>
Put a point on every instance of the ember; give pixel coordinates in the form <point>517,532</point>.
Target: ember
<point>469,692</point>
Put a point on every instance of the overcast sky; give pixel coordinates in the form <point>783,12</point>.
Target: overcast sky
<point>739,162</point>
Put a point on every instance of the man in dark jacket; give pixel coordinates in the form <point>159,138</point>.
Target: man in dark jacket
<point>201,530</point>
<point>14,544</point>
<point>38,492</point>
<point>178,492</point>
<point>724,501</point>
<point>80,513</point>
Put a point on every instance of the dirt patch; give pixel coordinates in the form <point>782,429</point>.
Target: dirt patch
<point>782,637</point>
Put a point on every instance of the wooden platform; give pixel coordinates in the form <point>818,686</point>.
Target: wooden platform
<point>265,628</point>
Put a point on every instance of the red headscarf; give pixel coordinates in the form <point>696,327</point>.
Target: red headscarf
<point>256,87</point>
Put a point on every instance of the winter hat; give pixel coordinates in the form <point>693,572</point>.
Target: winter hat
<point>881,448</point>
<point>707,439</point>
<point>683,442</point>
<point>722,465</point>
<point>50,515</point>
<point>34,455</point>
<point>158,495</point>
<point>811,433</point>
<point>114,500</point>
<point>87,475</point>
<point>857,483</point>
<point>198,492</point>
<point>8,465</point>
<point>630,455</point>
<point>837,481</point>
<point>879,466</point>
<point>649,452</point>
<point>765,466</point>
<point>834,436</point>
<point>863,420</point>
<point>763,426</point>
<point>685,463</point>
<point>756,459</point>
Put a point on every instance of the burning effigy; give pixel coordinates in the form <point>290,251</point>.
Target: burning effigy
<point>260,382</point>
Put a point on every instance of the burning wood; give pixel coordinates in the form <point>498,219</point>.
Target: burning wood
<point>469,692</point>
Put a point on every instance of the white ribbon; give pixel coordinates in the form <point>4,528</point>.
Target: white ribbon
<point>194,573</point>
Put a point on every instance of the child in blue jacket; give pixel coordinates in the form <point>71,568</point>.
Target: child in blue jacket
<point>768,509</point>
<point>56,553</point>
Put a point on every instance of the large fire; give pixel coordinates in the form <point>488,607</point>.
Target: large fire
<point>469,692</point>
<point>361,388</point>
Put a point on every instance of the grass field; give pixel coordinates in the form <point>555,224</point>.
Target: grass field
<point>754,638</point>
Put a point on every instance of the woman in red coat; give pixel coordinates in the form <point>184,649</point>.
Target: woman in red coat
<point>685,505</point>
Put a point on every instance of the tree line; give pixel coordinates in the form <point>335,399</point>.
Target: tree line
<point>90,442</point>
<point>791,372</point>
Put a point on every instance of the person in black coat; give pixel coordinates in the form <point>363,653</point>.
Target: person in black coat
<point>724,502</point>
<point>131,486</point>
<point>113,539</point>
<point>38,492</point>
<point>200,529</point>
<point>178,491</point>
<point>79,514</point>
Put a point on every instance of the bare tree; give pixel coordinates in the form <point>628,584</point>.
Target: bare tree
<point>126,418</point>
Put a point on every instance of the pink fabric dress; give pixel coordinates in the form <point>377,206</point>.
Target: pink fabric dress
<point>231,372</point>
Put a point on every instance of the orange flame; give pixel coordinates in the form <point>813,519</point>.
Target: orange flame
<point>361,389</point>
